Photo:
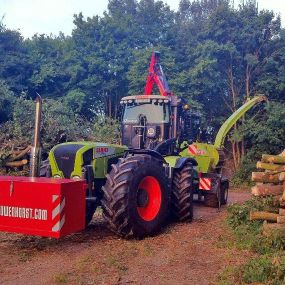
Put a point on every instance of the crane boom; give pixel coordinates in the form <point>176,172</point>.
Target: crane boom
<point>156,76</point>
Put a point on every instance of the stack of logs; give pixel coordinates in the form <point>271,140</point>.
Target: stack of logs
<point>271,182</point>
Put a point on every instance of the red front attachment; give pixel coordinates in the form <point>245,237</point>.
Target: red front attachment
<point>42,206</point>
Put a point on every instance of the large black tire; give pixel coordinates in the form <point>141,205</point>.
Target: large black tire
<point>136,196</point>
<point>182,193</point>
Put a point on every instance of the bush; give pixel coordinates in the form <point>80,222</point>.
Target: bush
<point>268,267</point>
<point>59,123</point>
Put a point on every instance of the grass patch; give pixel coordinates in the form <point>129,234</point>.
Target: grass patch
<point>60,278</point>
<point>116,263</point>
<point>268,264</point>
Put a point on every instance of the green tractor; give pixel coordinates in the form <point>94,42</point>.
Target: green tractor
<point>156,170</point>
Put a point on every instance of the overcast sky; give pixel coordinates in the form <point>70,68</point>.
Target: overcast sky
<point>52,16</point>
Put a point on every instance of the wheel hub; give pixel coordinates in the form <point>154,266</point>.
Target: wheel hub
<point>142,198</point>
<point>149,198</point>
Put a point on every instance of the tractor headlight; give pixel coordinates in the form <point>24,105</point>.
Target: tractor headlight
<point>56,176</point>
<point>76,177</point>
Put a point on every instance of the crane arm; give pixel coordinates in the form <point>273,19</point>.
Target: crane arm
<point>229,123</point>
<point>156,76</point>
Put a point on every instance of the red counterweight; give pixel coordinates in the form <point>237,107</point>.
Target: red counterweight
<point>42,206</point>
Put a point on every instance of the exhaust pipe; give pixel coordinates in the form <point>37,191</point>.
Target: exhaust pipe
<point>36,149</point>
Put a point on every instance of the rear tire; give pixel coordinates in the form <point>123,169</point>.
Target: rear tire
<point>182,193</point>
<point>211,200</point>
<point>224,192</point>
<point>136,196</point>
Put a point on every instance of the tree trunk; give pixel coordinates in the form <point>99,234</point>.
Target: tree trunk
<point>273,159</point>
<point>267,216</point>
<point>234,155</point>
<point>267,190</point>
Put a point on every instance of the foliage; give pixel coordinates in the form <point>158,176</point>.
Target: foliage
<point>7,99</point>
<point>268,264</point>
<point>59,123</point>
<point>242,175</point>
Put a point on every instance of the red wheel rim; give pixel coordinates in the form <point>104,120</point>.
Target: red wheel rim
<point>151,186</point>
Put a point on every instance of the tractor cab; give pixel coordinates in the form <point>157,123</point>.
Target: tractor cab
<point>146,120</point>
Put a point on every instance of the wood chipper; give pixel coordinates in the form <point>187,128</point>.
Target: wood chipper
<point>153,173</point>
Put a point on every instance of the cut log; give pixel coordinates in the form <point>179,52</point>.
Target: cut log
<point>266,216</point>
<point>281,212</point>
<point>267,190</point>
<point>22,153</point>
<point>278,159</point>
<point>282,176</point>
<point>276,200</point>
<point>281,220</point>
<point>16,163</point>
<point>270,166</point>
<point>282,199</point>
<point>281,203</point>
<point>273,230</point>
<point>265,177</point>
<point>282,153</point>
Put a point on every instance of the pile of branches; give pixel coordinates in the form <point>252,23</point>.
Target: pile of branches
<point>271,182</point>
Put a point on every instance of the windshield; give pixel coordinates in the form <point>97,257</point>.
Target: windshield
<point>154,112</point>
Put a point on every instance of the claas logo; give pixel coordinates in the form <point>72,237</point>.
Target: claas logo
<point>102,149</point>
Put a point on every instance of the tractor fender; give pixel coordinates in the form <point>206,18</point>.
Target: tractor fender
<point>150,152</point>
<point>182,160</point>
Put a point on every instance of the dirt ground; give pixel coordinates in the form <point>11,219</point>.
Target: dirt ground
<point>181,254</point>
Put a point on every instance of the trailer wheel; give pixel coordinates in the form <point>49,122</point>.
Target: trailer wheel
<point>136,196</point>
<point>224,192</point>
<point>211,200</point>
<point>182,193</point>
